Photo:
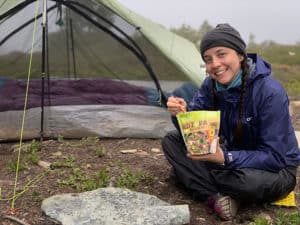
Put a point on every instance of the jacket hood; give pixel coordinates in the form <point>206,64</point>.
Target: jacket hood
<point>258,67</point>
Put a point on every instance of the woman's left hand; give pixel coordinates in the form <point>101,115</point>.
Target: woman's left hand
<point>217,157</point>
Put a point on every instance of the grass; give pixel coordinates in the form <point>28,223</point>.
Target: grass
<point>128,179</point>
<point>30,157</point>
<point>282,218</point>
<point>289,76</point>
<point>77,179</point>
<point>68,163</point>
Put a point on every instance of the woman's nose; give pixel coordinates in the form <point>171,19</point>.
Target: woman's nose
<point>215,63</point>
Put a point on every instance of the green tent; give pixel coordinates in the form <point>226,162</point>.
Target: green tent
<point>51,48</point>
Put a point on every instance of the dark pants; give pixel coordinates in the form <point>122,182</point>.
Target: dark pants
<point>203,179</point>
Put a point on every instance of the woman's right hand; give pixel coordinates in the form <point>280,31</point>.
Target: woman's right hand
<point>176,105</point>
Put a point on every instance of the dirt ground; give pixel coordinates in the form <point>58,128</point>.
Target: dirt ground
<point>69,158</point>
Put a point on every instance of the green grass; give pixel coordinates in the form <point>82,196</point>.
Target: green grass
<point>30,157</point>
<point>79,181</point>
<point>281,218</point>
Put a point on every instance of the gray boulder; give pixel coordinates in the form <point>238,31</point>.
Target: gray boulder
<point>114,206</point>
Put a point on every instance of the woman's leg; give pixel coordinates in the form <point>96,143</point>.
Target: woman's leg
<point>204,179</point>
<point>254,185</point>
<point>193,175</point>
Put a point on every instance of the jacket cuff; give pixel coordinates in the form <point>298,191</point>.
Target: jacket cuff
<point>227,155</point>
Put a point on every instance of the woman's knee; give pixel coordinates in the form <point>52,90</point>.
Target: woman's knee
<point>170,138</point>
<point>172,144</point>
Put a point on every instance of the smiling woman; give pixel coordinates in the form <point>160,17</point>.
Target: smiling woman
<point>257,154</point>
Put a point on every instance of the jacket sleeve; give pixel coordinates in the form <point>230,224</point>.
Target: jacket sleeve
<point>272,135</point>
<point>202,98</point>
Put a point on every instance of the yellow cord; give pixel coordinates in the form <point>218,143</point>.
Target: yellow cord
<point>30,184</point>
<point>25,106</point>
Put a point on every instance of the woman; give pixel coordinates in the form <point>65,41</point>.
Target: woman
<point>257,156</point>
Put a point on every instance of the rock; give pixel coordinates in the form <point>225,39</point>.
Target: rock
<point>129,151</point>
<point>44,164</point>
<point>114,206</point>
<point>142,153</point>
<point>155,150</point>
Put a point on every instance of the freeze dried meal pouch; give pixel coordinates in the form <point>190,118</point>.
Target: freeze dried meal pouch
<point>200,130</point>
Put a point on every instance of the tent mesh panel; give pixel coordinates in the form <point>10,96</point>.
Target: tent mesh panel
<point>77,48</point>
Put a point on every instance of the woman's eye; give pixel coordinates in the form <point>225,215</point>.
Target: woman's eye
<point>221,54</point>
<point>207,61</point>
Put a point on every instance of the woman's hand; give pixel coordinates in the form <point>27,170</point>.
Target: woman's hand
<point>217,157</point>
<point>176,105</point>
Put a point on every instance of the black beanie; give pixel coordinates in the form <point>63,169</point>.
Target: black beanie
<point>223,35</point>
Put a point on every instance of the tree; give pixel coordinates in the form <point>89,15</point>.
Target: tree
<point>187,32</point>
<point>204,28</point>
<point>192,34</point>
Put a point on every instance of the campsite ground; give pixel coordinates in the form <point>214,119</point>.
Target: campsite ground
<point>135,163</point>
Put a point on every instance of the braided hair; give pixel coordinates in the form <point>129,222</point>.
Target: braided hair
<point>238,131</point>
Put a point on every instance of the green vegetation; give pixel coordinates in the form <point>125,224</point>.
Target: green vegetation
<point>260,221</point>
<point>127,179</point>
<point>78,180</point>
<point>100,151</point>
<point>92,143</point>
<point>68,163</point>
<point>284,218</point>
<point>123,176</point>
<point>281,218</point>
<point>12,166</point>
<point>31,157</point>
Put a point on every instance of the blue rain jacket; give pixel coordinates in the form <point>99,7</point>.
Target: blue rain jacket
<point>268,139</point>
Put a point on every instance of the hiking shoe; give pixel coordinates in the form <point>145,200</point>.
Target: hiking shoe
<point>226,207</point>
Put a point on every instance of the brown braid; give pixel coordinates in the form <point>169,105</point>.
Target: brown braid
<point>239,131</point>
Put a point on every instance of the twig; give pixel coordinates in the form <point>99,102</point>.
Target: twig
<point>15,219</point>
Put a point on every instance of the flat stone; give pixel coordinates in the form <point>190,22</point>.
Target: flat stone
<point>114,206</point>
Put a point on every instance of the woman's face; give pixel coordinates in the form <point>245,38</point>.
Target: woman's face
<point>222,64</point>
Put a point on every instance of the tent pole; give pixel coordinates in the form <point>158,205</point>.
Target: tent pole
<point>72,47</point>
<point>67,43</point>
<point>44,25</point>
<point>48,68</point>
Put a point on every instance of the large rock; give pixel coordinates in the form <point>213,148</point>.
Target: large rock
<point>114,206</point>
